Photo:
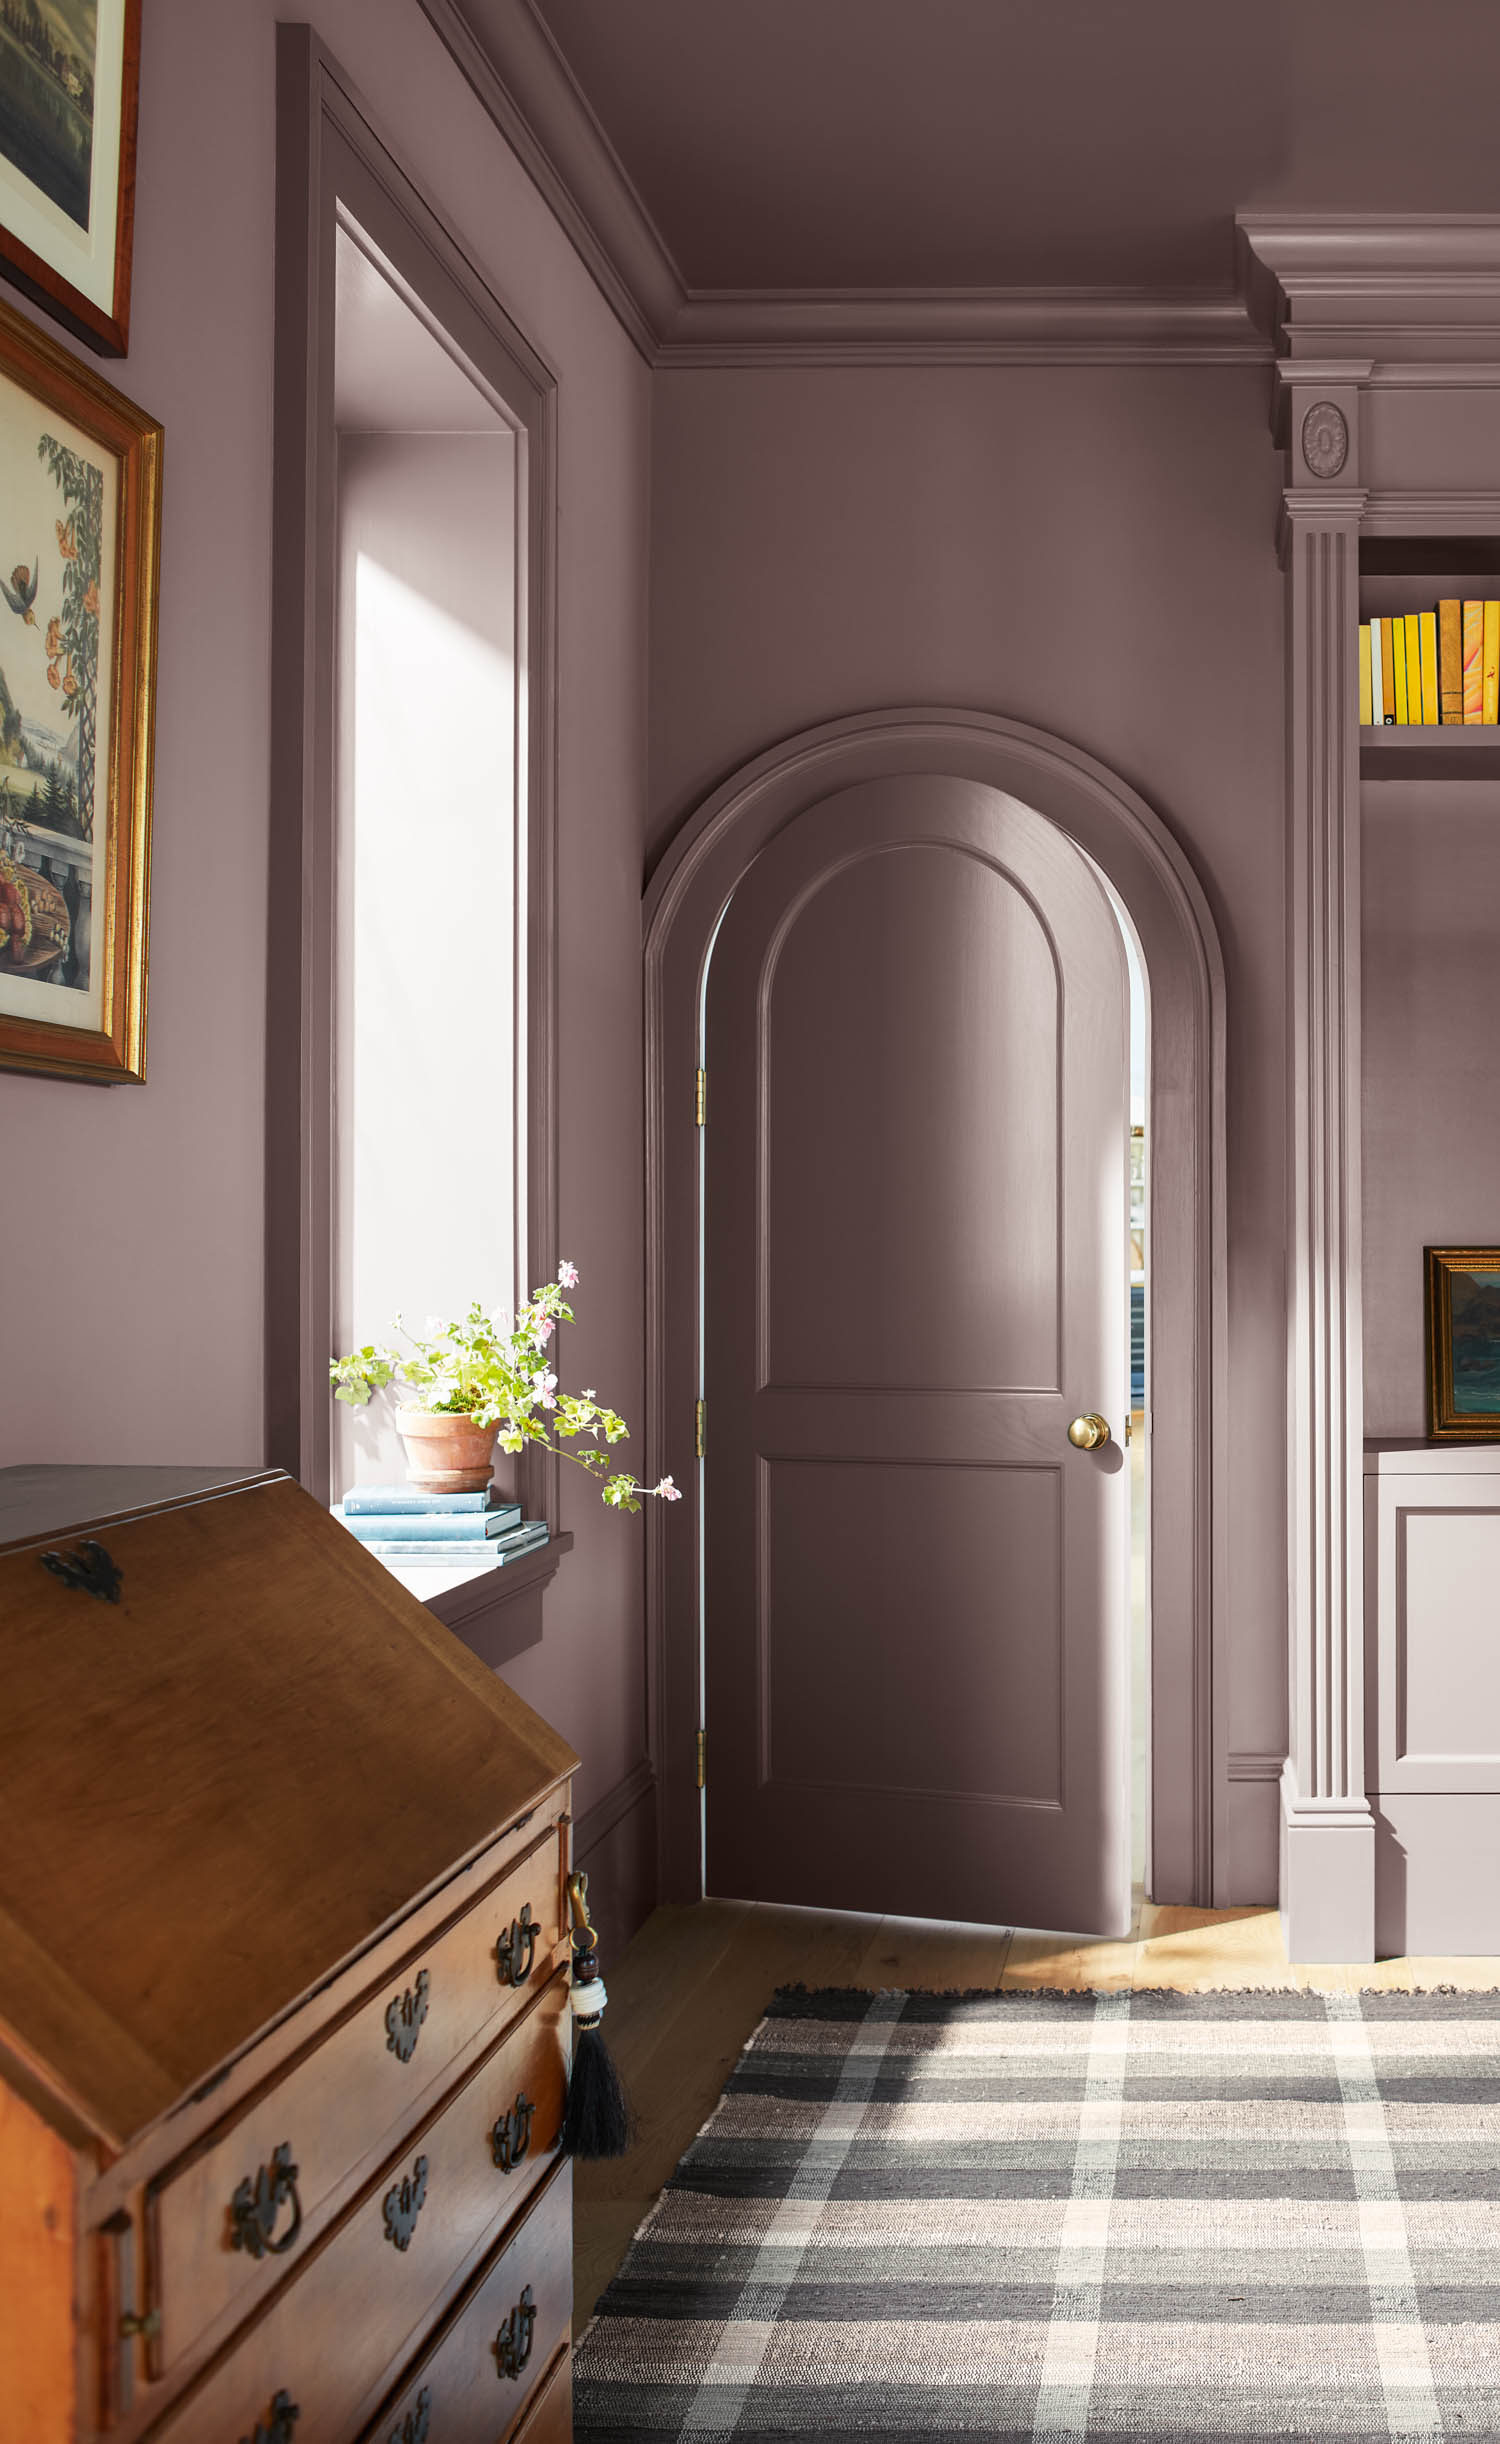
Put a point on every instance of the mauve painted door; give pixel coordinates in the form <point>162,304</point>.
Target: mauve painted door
<point>915,1276</point>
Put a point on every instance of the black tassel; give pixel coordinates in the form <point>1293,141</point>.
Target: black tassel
<point>598,2120</point>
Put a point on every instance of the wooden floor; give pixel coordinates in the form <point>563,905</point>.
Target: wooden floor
<point>687,1993</point>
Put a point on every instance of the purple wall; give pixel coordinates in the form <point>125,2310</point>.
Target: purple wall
<point>141,1208</point>
<point>1091,550</point>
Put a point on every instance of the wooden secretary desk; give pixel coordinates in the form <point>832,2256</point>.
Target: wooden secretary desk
<point>283,1990</point>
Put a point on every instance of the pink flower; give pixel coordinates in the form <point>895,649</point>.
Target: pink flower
<point>544,1386</point>
<point>542,1330</point>
<point>567,1274</point>
<point>668,1491</point>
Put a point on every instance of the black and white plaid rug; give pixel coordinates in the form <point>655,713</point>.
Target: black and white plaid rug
<point>1196,2216</point>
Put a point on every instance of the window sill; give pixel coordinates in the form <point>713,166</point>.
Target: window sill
<point>495,1610</point>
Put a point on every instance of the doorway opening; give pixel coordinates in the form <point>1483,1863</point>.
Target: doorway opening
<point>1186,1411</point>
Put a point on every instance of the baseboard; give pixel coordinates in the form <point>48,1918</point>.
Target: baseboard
<point>615,1840</point>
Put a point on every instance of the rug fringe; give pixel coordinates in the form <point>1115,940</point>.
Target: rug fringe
<point>984,1994</point>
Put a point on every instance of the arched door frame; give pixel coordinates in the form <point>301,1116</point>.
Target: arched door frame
<point>1179,946</point>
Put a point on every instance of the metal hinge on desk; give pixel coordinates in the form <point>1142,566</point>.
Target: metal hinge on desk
<point>700,1099</point>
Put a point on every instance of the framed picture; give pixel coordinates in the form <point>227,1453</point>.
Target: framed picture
<point>80,485</point>
<point>69,71</point>
<point>1463,1344</point>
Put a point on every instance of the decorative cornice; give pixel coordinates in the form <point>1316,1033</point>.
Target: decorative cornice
<point>1432,513</point>
<point>522,81</point>
<point>1256,1764</point>
<point>1402,290</point>
<point>960,326</point>
<point>526,86</point>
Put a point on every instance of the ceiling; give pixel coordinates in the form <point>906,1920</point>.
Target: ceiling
<point>939,144</point>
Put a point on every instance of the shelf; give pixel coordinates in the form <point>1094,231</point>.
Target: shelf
<point>1454,751</point>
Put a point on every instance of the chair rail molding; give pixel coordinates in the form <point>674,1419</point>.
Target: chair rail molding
<point>512,63</point>
<point>1378,323</point>
<point>688,892</point>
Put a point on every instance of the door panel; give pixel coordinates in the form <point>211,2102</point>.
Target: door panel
<point>915,1275</point>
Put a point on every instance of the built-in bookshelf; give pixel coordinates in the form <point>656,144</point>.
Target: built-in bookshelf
<point>1406,581</point>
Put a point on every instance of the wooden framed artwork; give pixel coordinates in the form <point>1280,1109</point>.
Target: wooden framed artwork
<point>80,480</point>
<point>1463,1344</point>
<point>69,71</point>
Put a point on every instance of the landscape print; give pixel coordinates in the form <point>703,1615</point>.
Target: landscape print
<point>48,61</point>
<point>1474,1306</point>
<point>55,491</point>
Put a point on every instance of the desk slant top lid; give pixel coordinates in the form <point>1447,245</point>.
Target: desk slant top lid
<point>223,1785</point>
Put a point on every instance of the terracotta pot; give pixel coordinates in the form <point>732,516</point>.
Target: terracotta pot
<point>446,1454</point>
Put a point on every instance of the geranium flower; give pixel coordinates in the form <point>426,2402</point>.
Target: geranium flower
<point>544,1385</point>
<point>567,1274</point>
<point>668,1491</point>
<point>542,1330</point>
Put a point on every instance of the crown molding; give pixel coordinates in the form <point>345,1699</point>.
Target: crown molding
<point>523,82</point>
<point>1018,326</point>
<point>1407,291</point>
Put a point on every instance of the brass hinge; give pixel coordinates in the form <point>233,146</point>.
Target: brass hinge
<point>700,1099</point>
<point>702,1753</point>
<point>697,1429</point>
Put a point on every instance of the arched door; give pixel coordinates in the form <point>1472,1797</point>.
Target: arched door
<point>914,1279</point>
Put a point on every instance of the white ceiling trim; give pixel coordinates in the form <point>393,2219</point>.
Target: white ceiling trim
<point>526,86</point>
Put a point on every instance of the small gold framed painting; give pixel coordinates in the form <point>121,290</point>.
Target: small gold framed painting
<point>80,480</point>
<point>1463,1344</point>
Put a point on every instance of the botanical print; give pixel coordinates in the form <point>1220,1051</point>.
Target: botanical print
<point>1474,1305</point>
<point>48,59</point>
<point>55,619</point>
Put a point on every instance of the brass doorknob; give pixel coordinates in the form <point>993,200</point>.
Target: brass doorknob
<point>1087,1433</point>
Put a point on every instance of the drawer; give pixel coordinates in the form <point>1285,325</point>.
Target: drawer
<point>228,2221</point>
<point>495,2362</point>
<point>332,2338</point>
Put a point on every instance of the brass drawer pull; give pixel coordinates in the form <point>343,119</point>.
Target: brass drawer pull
<point>278,2428</point>
<point>403,2204</point>
<point>404,2017</point>
<point>512,2345</point>
<point>89,1567</point>
<point>510,2140</point>
<point>413,2428</point>
<point>515,1951</point>
<point>259,2200</point>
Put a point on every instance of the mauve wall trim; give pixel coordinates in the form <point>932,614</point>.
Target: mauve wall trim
<point>689,888</point>
<point>332,163</point>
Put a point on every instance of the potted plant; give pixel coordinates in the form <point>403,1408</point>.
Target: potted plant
<point>485,1379</point>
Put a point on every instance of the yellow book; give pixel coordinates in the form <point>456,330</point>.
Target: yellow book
<point>1427,621</point>
<point>1413,668</point>
<point>1473,662</point>
<point>1489,702</point>
<point>1398,656</point>
<point>1366,707</point>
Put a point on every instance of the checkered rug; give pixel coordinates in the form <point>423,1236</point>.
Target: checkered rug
<point>1196,2216</point>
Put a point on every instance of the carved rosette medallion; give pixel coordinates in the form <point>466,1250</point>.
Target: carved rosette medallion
<point>1325,440</point>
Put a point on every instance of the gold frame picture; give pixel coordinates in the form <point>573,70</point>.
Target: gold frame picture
<point>69,77</point>
<point>80,475</point>
<point>1463,1344</point>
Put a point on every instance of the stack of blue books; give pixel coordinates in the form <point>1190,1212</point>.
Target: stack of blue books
<point>400,1523</point>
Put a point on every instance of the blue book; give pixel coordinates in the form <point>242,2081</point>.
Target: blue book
<point>396,1501</point>
<point>482,1549</point>
<point>431,1527</point>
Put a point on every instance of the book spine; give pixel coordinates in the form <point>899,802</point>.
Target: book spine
<point>1398,649</point>
<point>1473,662</point>
<point>1364,673</point>
<point>1490,688</point>
<point>1413,666</point>
<point>405,1548</point>
<point>1450,620</point>
<point>1377,679</point>
<point>1387,673</point>
<point>396,1501</point>
<point>1427,624</point>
